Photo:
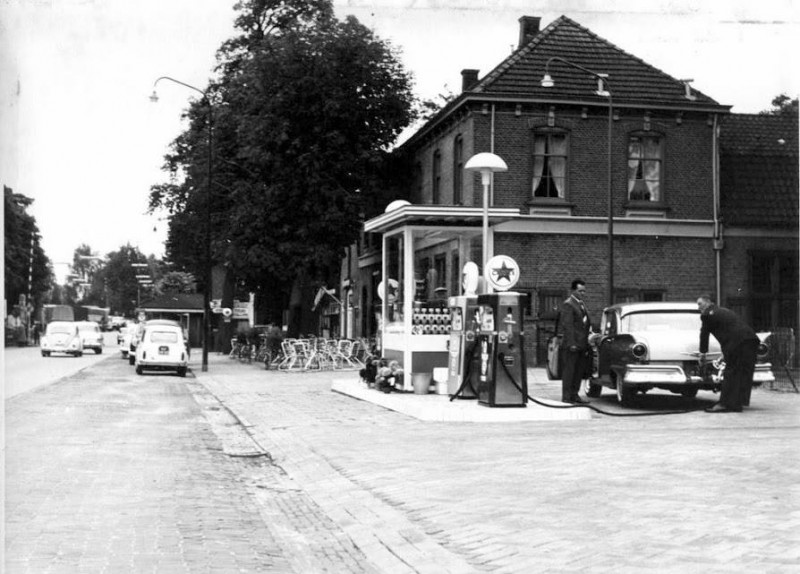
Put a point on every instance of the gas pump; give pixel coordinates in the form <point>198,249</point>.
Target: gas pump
<point>502,378</point>
<point>463,332</point>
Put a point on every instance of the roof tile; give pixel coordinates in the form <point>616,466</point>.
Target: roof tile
<point>631,79</point>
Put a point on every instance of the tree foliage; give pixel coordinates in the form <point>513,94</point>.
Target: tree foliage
<point>783,105</point>
<point>303,113</point>
<point>23,248</point>
<point>117,279</point>
<point>176,282</point>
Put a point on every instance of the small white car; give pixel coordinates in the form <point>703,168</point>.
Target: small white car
<point>162,348</point>
<point>61,337</point>
<point>124,340</point>
<point>91,335</point>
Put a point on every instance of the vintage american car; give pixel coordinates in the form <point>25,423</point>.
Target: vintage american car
<point>642,346</point>
<point>162,348</point>
<point>61,337</point>
<point>91,335</point>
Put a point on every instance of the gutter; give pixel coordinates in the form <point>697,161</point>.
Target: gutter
<point>718,239</point>
<point>482,97</point>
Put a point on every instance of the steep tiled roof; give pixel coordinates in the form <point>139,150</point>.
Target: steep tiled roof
<point>631,79</point>
<point>759,170</point>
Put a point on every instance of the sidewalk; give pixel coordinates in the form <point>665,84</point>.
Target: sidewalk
<point>681,493</point>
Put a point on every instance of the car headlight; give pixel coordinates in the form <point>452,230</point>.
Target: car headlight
<point>762,351</point>
<point>639,350</point>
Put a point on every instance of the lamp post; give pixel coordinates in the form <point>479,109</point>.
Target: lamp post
<point>487,164</point>
<point>209,173</point>
<point>603,89</point>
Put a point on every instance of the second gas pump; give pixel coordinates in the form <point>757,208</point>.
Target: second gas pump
<point>501,379</point>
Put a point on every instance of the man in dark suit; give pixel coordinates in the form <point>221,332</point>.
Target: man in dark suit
<point>575,327</point>
<point>739,345</point>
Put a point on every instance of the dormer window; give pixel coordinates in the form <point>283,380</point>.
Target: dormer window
<point>645,158</point>
<point>549,164</point>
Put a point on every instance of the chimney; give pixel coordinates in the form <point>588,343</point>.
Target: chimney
<point>468,79</point>
<point>528,28</point>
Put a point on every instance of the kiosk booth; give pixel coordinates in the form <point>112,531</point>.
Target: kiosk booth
<point>424,249</point>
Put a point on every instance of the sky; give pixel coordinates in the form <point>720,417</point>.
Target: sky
<point>79,134</point>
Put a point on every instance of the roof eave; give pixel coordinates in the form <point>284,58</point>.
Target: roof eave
<point>469,97</point>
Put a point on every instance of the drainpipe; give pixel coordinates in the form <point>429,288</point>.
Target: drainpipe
<point>491,149</point>
<point>718,240</point>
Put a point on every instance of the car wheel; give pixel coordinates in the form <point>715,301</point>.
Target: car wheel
<point>79,354</point>
<point>689,393</point>
<point>45,353</point>
<point>593,390</point>
<point>98,351</point>
<point>182,371</point>
<point>625,393</point>
<point>139,370</point>
<point>131,359</point>
<point>124,354</point>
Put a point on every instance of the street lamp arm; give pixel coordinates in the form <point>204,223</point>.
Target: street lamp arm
<point>202,92</point>
<point>603,78</point>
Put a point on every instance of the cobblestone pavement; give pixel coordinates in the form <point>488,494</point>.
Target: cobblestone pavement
<point>693,492</point>
<point>110,473</point>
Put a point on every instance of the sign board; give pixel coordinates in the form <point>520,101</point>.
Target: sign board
<point>501,272</point>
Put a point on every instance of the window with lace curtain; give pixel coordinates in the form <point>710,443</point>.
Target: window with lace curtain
<point>549,164</point>
<point>645,158</point>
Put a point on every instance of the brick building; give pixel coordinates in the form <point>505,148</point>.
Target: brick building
<point>685,216</point>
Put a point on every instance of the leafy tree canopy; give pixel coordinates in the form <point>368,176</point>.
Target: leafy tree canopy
<point>176,282</point>
<point>303,114</point>
<point>24,255</point>
<point>783,105</point>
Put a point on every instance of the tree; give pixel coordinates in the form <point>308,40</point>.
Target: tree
<point>304,112</point>
<point>782,105</point>
<point>176,282</point>
<point>86,269</point>
<point>27,268</point>
<point>118,278</point>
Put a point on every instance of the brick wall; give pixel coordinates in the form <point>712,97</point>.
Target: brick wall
<point>681,268</point>
<point>687,178</point>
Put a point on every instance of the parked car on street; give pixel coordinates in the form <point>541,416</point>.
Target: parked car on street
<point>61,337</point>
<point>138,332</point>
<point>124,340</point>
<point>642,346</point>
<point>91,335</point>
<point>162,348</point>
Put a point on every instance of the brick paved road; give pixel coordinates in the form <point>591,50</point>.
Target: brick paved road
<point>683,493</point>
<point>107,472</point>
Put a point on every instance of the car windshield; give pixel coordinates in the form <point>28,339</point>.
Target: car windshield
<point>163,337</point>
<point>60,328</point>
<point>655,321</point>
<point>88,328</point>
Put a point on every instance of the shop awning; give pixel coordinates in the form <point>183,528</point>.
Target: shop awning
<point>437,216</point>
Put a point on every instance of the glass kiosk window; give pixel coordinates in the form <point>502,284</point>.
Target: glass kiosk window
<point>393,288</point>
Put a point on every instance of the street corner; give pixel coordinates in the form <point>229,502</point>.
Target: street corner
<point>439,408</point>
